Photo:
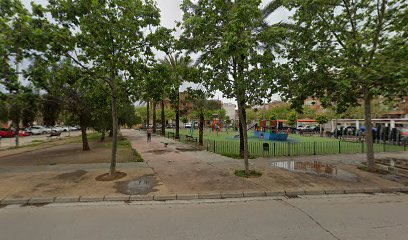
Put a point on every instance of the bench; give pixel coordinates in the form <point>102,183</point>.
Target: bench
<point>191,138</point>
<point>54,134</point>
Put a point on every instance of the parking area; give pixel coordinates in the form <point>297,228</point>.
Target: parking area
<point>33,139</point>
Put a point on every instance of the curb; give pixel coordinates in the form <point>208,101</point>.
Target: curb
<point>198,196</point>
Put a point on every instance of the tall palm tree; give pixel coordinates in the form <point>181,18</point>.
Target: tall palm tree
<point>179,66</point>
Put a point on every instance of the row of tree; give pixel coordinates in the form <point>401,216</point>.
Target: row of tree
<point>338,51</point>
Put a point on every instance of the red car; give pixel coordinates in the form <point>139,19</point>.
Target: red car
<point>7,133</point>
<point>23,133</point>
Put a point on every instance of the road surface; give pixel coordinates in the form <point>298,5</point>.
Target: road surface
<point>315,217</point>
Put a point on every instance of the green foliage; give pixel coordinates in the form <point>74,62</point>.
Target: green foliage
<point>252,173</point>
<point>292,118</point>
<point>322,119</point>
<point>184,120</point>
<point>346,50</point>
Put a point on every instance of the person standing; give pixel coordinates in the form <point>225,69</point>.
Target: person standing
<point>149,134</point>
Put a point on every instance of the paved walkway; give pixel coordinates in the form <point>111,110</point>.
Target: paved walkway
<point>182,168</point>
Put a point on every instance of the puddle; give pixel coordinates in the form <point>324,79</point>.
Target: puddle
<point>318,168</point>
<point>158,151</point>
<point>188,149</point>
<point>140,186</point>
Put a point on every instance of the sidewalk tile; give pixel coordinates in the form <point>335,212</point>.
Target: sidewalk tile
<point>275,193</point>
<point>15,201</point>
<point>187,196</point>
<point>334,191</point>
<point>35,200</point>
<point>141,198</point>
<point>117,198</point>
<point>165,197</point>
<point>209,195</point>
<point>66,199</point>
<point>91,198</point>
<point>232,195</point>
<point>254,194</point>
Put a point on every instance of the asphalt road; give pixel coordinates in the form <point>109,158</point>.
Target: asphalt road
<point>319,217</point>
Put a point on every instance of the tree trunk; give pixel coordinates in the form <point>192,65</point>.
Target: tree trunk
<point>369,132</point>
<point>148,114</point>
<point>103,135</point>
<point>163,119</point>
<point>85,143</point>
<point>114,128</point>
<point>178,116</point>
<point>17,136</point>
<point>154,117</point>
<point>321,130</point>
<point>241,136</point>
<point>201,130</point>
<point>242,120</point>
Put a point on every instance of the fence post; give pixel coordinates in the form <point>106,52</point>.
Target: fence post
<point>339,146</point>
<point>214,146</point>
<point>314,148</point>
<point>274,149</point>
<point>288,148</point>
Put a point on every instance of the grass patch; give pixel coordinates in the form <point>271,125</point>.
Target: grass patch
<point>252,173</point>
<point>377,170</point>
<point>138,157</point>
<point>38,141</point>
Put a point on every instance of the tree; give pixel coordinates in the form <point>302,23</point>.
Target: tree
<point>112,44</point>
<point>237,51</point>
<point>292,118</point>
<point>202,109</point>
<point>322,119</point>
<point>179,67</point>
<point>344,51</point>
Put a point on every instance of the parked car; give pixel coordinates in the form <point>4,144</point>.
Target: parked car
<point>187,125</point>
<point>57,129</point>
<point>24,133</point>
<point>37,130</point>
<point>7,133</point>
<point>404,134</point>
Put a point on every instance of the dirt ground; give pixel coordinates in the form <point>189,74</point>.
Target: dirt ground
<point>68,153</point>
<point>68,184</point>
<point>182,168</point>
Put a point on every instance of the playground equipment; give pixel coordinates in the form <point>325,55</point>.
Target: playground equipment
<point>216,123</point>
<point>270,130</point>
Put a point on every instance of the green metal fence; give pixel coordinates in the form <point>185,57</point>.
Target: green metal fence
<point>257,149</point>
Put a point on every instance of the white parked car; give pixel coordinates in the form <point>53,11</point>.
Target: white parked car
<point>57,129</point>
<point>188,125</point>
<point>37,130</point>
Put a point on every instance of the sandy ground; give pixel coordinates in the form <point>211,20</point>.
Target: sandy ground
<point>184,169</point>
<point>61,168</point>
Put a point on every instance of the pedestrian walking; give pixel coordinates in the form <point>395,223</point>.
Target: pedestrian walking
<point>149,134</point>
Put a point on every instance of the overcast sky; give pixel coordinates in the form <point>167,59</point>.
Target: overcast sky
<point>170,13</point>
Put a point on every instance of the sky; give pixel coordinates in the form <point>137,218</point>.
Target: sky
<point>170,13</point>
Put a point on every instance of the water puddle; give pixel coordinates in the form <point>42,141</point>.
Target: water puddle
<point>188,149</point>
<point>158,151</point>
<point>316,167</point>
<point>139,186</point>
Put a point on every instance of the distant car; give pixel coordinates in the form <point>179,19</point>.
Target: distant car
<point>23,133</point>
<point>7,133</point>
<point>187,125</point>
<point>404,133</point>
<point>171,125</point>
<point>37,130</point>
<point>57,129</point>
